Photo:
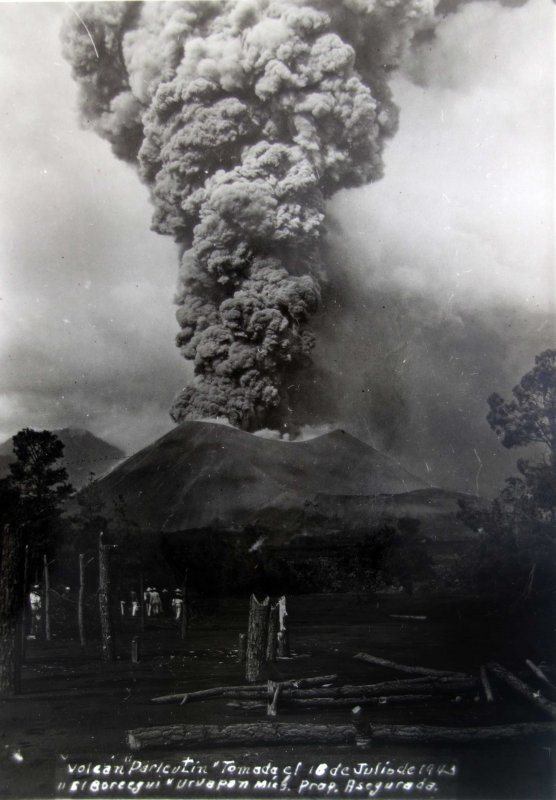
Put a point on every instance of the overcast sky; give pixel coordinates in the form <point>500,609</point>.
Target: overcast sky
<point>464,212</point>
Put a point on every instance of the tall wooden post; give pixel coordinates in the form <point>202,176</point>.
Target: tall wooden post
<point>25,600</point>
<point>257,633</point>
<point>80,599</point>
<point>142,600</point>
<point>106,623</point>
<point>283,634</point>
<point>184,609</point>
<point>46,577</point>
<point>272,635</point>
<point>10,600</point>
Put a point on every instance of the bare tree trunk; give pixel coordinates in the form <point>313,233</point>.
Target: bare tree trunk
<point>283,636</point>
<point>24,595</point>
<point>10,605</point>
<point>257,633</point>
<point>272,635</point>
<point>106,623</point>
<point>80,599</point>
<point>46,575</point>
<point>142,600</point>
<point>184,609</point>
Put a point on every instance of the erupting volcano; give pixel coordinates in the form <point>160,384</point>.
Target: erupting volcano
<point>243,118</point>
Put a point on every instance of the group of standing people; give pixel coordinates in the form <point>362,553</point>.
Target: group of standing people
<point>155,604</point>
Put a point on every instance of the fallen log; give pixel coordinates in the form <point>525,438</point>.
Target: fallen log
<point>411,686</point>
<point>383,662</point>
<point>342,702</point>
<point>284,733</point>
<point>257,690</point>
<point>254,733</point>
<point>540,674</point>
<point>519,686</point>
<point>429,734</point>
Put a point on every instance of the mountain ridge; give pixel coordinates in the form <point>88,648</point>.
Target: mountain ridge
<point>201,474</point>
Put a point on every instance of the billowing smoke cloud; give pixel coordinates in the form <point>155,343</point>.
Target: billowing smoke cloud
<point>243,117</point>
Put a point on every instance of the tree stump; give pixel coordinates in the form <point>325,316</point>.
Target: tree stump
<point>257,634</point>
<point>283,644</point>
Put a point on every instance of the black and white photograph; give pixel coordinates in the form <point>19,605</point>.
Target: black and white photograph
<point>277,400</point>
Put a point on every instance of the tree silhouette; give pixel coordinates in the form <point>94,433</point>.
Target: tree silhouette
<point>516,552</point>
<point>531,417</point>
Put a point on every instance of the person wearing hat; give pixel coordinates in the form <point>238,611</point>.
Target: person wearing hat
<point>177,604</point>
<point>134,603</point>
<point>147,600</point>
<point>156,605</point>
<point>35,602</point>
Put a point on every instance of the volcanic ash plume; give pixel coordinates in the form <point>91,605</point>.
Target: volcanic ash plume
<point>242,118</point>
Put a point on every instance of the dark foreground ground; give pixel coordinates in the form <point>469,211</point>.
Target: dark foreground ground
<point>74,710</point>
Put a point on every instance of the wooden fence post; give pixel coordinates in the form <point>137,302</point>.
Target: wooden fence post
<point>106,623</point>
<point>283,637</point>
<point>80,599</point>
<point>257,633</point>
<point>46,575</point>
<point>184,608</point>
<point>142,600</point>
<point>25,601</point>
<point>135,653</point>
<point>271,641</point>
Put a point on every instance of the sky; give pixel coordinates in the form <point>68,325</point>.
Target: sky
<point>457,239</point>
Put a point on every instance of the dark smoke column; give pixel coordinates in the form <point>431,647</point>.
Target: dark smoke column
<point>242,118</point>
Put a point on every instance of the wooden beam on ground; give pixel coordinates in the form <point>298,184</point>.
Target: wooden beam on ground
<point>345,702</point>
<point>540,674</point>
<point>519,686</point>
<point>383,662</point>
<point>412,686</point>
<point>253,689</point>
<point>253,734</point>
<point>429,734</point>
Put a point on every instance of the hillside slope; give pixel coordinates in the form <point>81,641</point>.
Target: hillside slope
<point>83,453</point>
<point>203,473</point>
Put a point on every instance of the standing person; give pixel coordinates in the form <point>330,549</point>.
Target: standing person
<point>147,600</point>
<point>35,602</point>
<point>156,605</point>
<point>177,604</point>
<point>134,603</point>
<point>122,607</point>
